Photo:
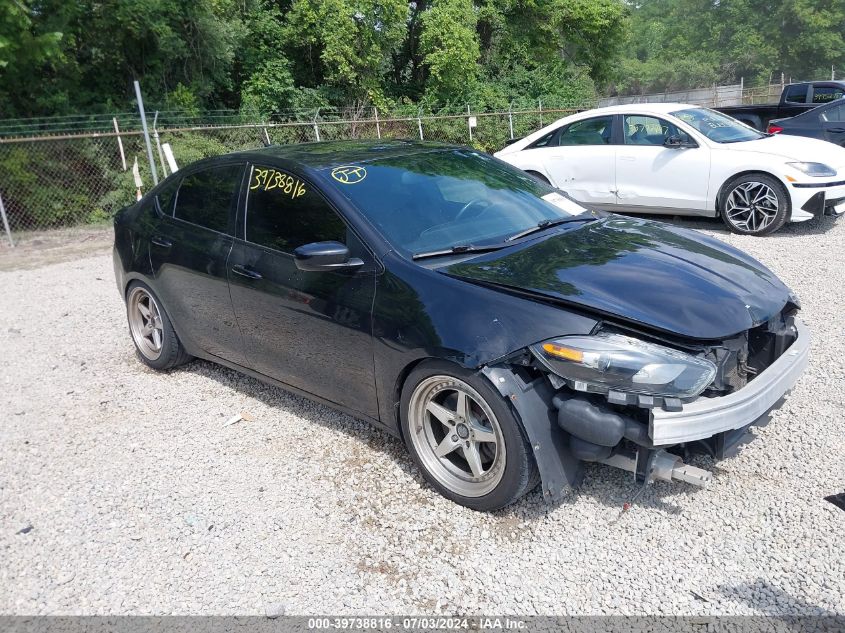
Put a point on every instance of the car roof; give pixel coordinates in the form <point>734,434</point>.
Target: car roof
<point>319,155</point>
<point>655,108</point>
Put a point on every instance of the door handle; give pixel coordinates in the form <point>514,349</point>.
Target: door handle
<point>160,241</point>
<point>837,130</point>
<point>245,271</point>
<point>626,158</point>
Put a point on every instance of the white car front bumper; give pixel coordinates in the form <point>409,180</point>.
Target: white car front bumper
<point>810,199</point>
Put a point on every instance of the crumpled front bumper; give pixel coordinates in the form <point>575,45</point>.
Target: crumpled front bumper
<point>707,417</point>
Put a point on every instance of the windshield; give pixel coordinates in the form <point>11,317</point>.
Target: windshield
<point>718,127</point>
<point>432,201</point>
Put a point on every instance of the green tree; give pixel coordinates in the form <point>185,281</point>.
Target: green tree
<point>26,46</point>
<point>344,45</point>
<point>450,49</point>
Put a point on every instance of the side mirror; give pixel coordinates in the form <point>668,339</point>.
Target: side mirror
<point>676,142</point>
<point>325,256</point>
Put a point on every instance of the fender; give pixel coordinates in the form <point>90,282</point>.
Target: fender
<point>559,470</point>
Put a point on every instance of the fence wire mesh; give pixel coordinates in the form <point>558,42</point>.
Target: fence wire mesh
<point>68,180</point>
<point>61,179</point>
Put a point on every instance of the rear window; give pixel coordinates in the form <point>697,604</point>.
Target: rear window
<point>796,94</point>
<point>166,196</point>
<point>827,94</point>
<point>207,198</point>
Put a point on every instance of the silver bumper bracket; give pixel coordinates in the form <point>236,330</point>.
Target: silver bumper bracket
<point>707,417</point>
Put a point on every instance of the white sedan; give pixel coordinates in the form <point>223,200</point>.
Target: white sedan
<point>685,160</point>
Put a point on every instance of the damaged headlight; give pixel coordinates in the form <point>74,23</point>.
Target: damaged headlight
<point>614,362</point>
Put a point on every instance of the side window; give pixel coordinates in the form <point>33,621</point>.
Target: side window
<point>544,141</point>
<point>649,130</point>
<point>796,94</point>
<point>166,196</point>
<point>595,131</point>
<point>283,212</point>
<point>207,198</point>
<point>826,94</point>
<point>835,114</point>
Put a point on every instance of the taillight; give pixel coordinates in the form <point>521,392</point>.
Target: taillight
<point>774,129</point>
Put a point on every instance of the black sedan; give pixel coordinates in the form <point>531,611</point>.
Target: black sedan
<point>825,122</point>
<point>505,333</point>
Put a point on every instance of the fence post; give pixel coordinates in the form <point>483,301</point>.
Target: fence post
<point>119,143</point>
<point>378,127</point>
<point>6,222</point>
<point>316,129</point>
<point>540,107</point>
<point>419,123</point>
<point>158,145</point>
<point>146,132</point>
<point>510,118</point>
<point>469,125</point>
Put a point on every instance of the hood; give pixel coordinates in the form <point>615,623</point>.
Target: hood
<point>643,272</point>
<point>795,148</point>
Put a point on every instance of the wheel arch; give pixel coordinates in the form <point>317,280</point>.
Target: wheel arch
<point>539,175</point>
<point>753,120</point>
<point>720,194</point>
<point>402,378</point>
<point>530,401</point>
<point>134,278</point>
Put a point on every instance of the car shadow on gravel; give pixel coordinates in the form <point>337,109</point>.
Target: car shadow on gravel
<point>816,226</point>
<point>762,595</point>
<point>310,410</point>
<point>610,487</point>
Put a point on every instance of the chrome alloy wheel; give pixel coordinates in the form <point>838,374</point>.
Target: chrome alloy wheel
<point>145,322</point>
<point>456,436</point>
<point>751,206</point>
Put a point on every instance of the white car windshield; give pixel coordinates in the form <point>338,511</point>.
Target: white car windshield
<point>716,126</point>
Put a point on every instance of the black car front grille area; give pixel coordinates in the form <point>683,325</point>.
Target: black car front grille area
<point>740,359</point>
<point>769,341</point>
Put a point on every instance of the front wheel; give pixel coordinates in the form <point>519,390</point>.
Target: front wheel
<point>465,438</point>
<point>755,204</point>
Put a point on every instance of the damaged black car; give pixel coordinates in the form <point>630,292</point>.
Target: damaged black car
<point>505,333</point>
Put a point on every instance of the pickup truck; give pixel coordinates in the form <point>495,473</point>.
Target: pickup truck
<point>794,100</point>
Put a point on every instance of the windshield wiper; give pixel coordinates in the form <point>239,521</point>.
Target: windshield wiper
<point>545,224</point>
<point>457,249</point>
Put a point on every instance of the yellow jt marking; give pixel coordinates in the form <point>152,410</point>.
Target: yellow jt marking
<point>349,174</point>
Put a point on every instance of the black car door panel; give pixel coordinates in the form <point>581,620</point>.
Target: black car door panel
<point>311,330</point>
<point>189,261</point>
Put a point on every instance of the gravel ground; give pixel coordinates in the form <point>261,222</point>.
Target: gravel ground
<point>122,492</point>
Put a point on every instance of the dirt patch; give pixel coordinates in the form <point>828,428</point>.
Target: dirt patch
<point>41,248</point>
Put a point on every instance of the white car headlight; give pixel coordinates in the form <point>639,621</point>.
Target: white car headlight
<point>814,169</point>
<point>614,362</point>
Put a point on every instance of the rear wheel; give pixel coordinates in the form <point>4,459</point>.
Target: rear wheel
<point>465,438</point>
<point>754,204</point>
<point>151,330</point>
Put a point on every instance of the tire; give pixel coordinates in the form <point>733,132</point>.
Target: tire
<point>754,204</point>
<point>485,464</point>
<point>539,177</point>
<point>156,342</point>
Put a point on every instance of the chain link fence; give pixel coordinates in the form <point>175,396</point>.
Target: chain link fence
<point>54,181</point>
